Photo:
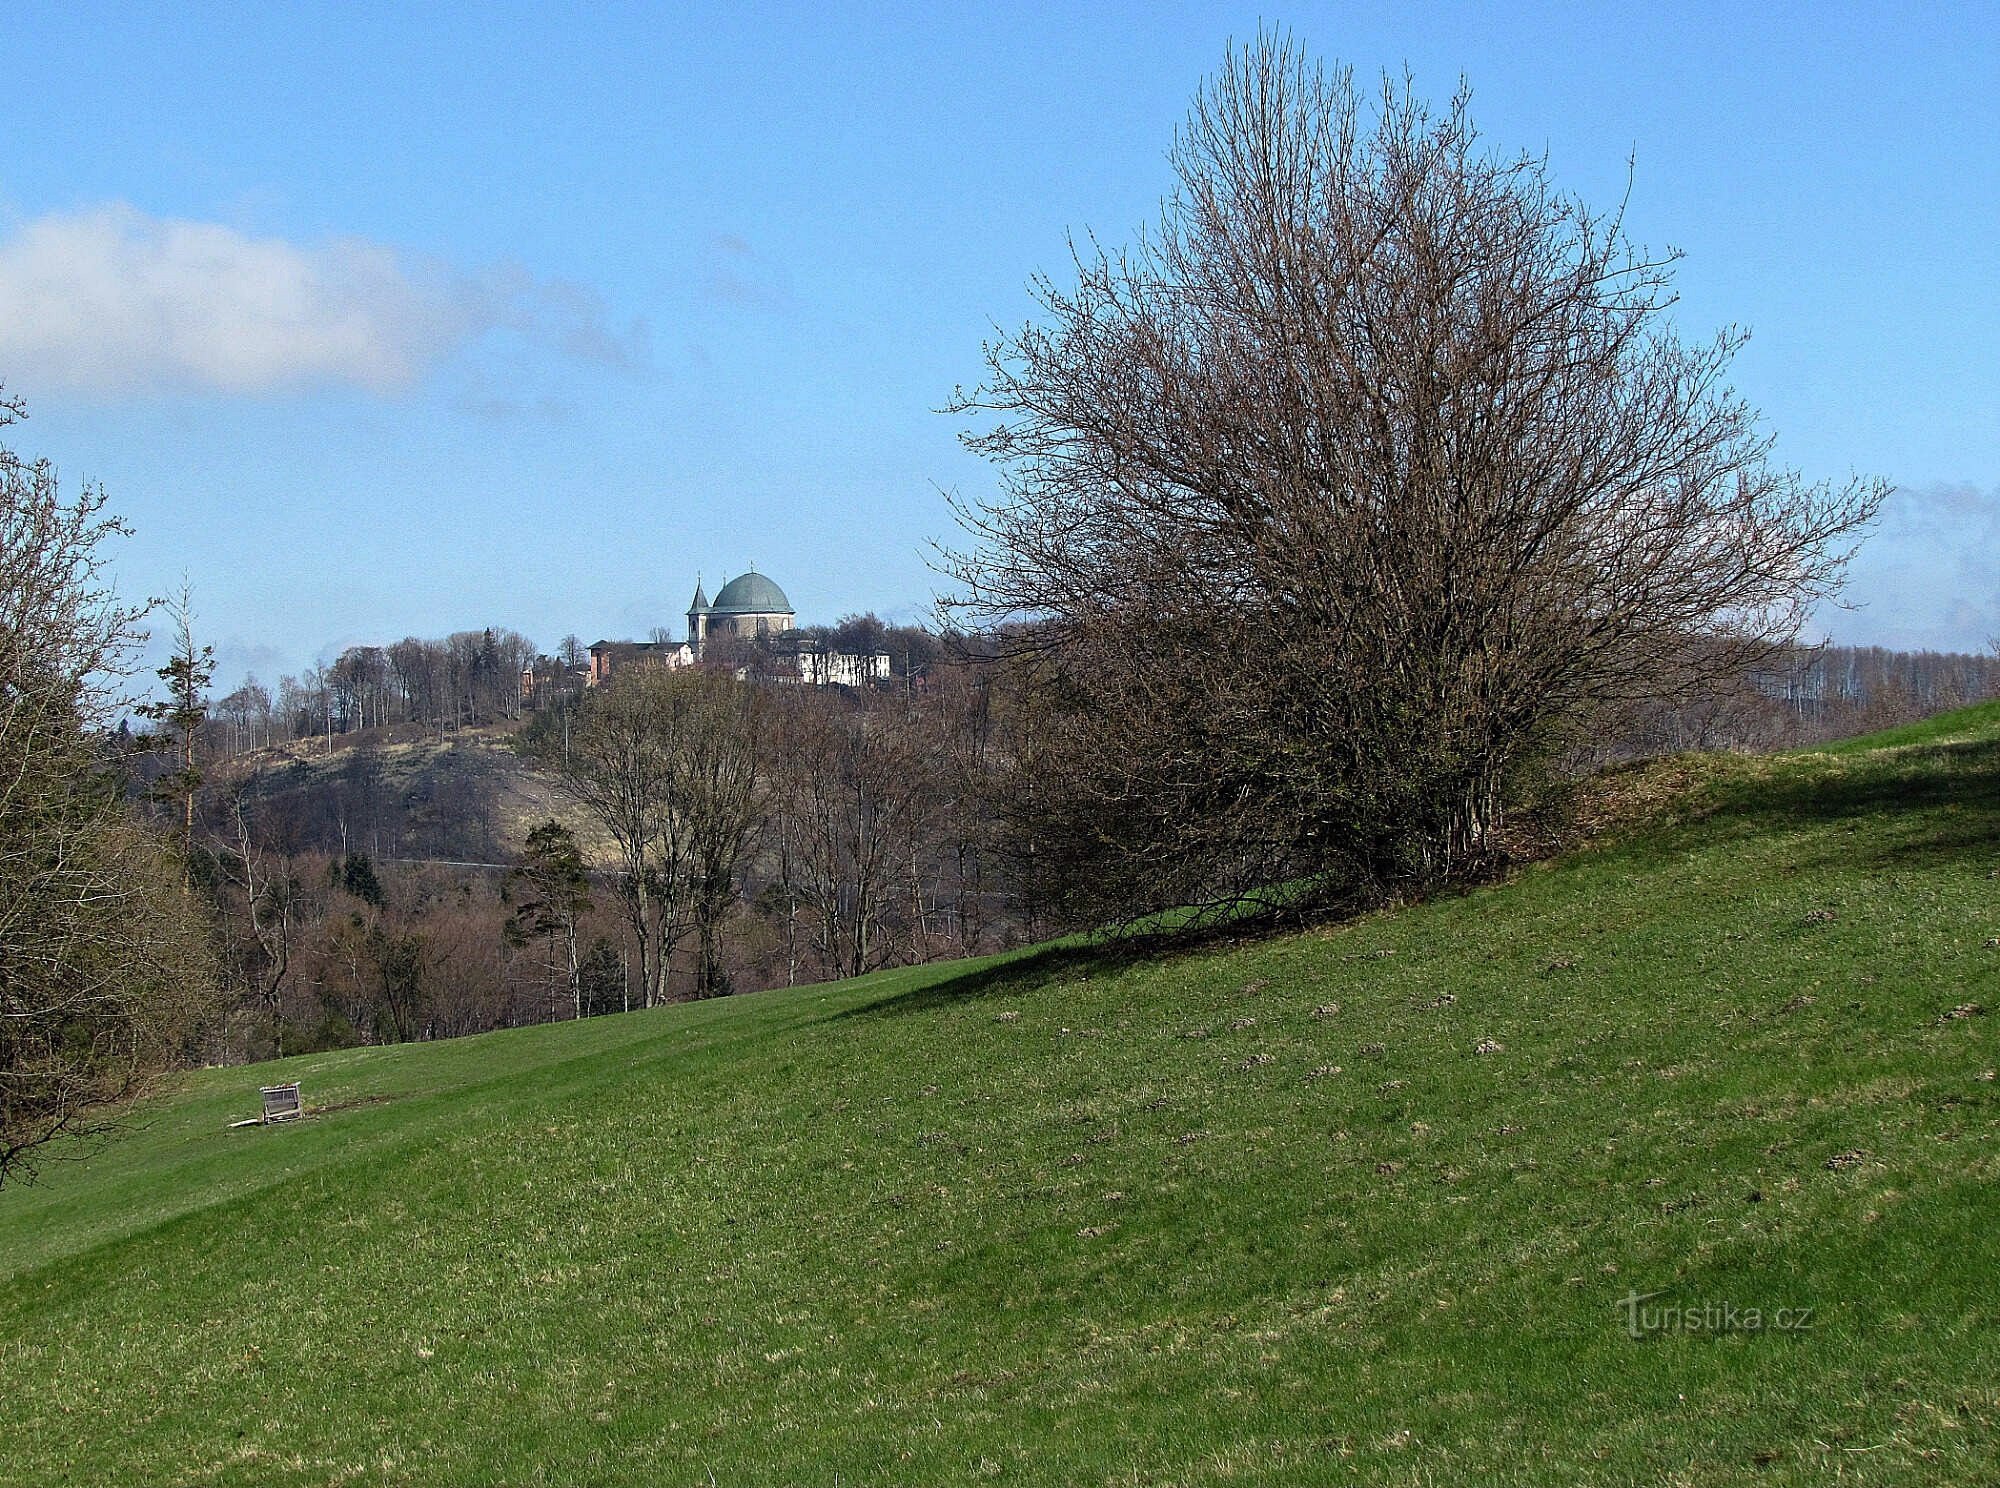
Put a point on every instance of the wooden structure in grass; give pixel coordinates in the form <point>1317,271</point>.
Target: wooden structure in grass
<point>281,1103</point>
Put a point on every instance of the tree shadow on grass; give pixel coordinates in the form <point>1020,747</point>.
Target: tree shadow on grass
<point>1073,959</point>
<point>1027,971</point>
<point>1944,802</point>
<point>1948,796</point>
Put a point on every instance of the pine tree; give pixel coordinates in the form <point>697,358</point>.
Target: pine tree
<point>557,895</point>
<point>180,715</point>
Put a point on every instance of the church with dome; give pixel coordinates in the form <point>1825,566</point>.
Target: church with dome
<point>746,607</point>
<point>750,608</point>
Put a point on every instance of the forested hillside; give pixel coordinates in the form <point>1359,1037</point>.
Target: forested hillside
<point>391,883</point>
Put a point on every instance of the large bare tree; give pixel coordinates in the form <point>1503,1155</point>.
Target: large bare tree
<point>853,813</point>
<point>1340,499</point>
<point>617,764</point>
<point>719,793</point>
<point>667,761</point>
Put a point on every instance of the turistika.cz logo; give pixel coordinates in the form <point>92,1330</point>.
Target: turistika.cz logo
<point>1645,1318</point>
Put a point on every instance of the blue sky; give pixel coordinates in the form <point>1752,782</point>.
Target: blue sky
<point>555,307</point>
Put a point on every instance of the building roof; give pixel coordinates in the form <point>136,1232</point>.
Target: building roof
<point>700,604</point>
<point>750,594</point>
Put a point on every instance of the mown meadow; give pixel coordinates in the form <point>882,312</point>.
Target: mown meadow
<point>1367,1203</point>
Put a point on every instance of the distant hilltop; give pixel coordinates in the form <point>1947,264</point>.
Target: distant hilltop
<point>748,609</point>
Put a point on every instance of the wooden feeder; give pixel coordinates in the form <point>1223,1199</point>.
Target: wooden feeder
<point>281,1103</point>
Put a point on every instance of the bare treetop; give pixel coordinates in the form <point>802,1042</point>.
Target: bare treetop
<point>1381,400</point>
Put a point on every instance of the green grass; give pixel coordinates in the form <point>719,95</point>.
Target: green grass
<point>1070,1219</point>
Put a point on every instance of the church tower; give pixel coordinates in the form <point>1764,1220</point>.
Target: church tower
<point>697,619</point>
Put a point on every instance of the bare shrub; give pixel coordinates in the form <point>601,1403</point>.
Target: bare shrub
<point>1365,481</point>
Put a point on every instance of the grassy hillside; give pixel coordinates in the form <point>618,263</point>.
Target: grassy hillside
<point>1358,1205</point>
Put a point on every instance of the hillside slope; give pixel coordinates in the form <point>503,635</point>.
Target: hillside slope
<point>1366,1204</point>
<point>404,793</point>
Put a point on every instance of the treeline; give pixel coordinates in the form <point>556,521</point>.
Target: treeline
<point>468,678</point>
<point>473,677</point>
<point>911,649</point>
<point>1807,695</point>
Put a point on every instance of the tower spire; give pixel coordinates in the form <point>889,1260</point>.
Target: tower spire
<point>697,619</point>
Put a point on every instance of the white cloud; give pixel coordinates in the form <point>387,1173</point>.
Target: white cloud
<point>110,300</point>
<point>1925,580</point>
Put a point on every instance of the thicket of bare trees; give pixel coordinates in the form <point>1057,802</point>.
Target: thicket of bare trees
<point>856,823</point>
<point>738,830</point>
<point>466,679</point>
<point>880,825</point>
<point>104,966</point>
<point>667,764</point>
<point>852,819</point>
<point>729,836</point>
<point>1349,495</point>
<point>324,951</point>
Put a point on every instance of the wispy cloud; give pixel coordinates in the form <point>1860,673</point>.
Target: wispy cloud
<point>1925,579</point>
<point>738,275</point>
<point>113,301</point>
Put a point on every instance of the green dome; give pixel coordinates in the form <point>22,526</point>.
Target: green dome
<point>750,594</point>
